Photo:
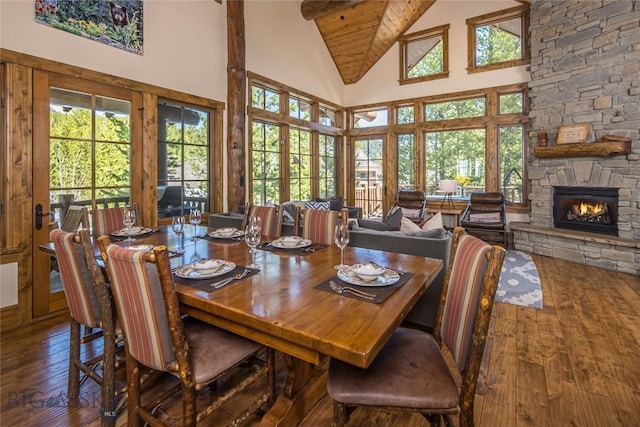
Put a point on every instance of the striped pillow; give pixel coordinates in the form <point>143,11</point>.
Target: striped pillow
<point>76,279</point>
<point>138,295</point>
<point>319,226</point>
<point>465,284</point>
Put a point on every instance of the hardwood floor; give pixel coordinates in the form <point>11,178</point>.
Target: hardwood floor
<point>574,363</point>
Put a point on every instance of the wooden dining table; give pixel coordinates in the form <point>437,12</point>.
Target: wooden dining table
<point>282,307</point>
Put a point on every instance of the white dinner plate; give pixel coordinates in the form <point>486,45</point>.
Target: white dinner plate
<point>140,247</point>
<point>135,231</point>
<point>302,243</point>
<point>389,277</point>
<point>188,272</point>
<point>216,235</point>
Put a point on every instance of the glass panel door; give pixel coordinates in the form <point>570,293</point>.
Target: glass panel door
<point>369,176</point>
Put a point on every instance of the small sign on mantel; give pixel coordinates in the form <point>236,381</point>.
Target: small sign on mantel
<point>573,133</point>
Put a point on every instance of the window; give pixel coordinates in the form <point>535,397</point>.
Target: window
<point>511,103</point>
<point>89,149</point>
<point>455,109</point>
<point>511,140</point>
<point>499,40</point>
<point>456,154</point>
<point>300,164</point>
<point>406,172</point>
<point>369,172</point>
<point>183,159</point>
<point>327,174</point>
<point>405,114</point>
<point>370,118</point>
<point>265,163</point>
<point>294,154</point>
<point>424,55</point>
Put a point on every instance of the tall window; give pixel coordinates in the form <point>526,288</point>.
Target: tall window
<point>293,142</point>
<point>459,155</point>
<point>499,39</point>
<point>183,159</point>
<point>511,140</point>
<point>265,163</point>
<point>369,176</point>
<point>424,55</point>
<point>89,149</point>
<point>300,164</point>
<point>327,173</point>
<point>406,167</point>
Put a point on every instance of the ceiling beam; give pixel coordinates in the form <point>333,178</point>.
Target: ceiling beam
<point>312,9</point>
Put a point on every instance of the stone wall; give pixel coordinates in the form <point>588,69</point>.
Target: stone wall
<point>585,68</point>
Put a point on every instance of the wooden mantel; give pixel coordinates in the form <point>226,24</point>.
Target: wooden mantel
<point>587,149</point>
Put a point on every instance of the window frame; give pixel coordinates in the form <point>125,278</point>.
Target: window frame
<point>521,12</point>
<point>430,33</point>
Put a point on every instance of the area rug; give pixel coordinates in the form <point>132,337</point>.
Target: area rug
<point>519,281</point>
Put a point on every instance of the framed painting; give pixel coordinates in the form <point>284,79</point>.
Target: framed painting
<point>115,23</point>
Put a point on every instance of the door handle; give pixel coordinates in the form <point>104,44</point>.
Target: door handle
<point>39,215</point>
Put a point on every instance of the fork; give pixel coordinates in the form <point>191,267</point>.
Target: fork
<point>224,282</point>
<point>342,289</point>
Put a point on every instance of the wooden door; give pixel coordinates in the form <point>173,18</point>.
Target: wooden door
<point>82,155</point>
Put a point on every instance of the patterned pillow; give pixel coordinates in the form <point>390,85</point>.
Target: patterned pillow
<point>321,206</point>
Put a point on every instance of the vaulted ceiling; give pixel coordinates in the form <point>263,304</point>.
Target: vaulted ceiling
<point>358,33</point>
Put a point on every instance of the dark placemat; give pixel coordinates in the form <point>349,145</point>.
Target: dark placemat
<point>381,292</point>
<point>203,284</point>
<point>225,239</point>
<point>293,251</point>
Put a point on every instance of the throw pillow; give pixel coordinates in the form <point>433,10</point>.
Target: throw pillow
<point>436,233</point>
<point>408,225</point>
<point>335,203</point>
<point>322,206</point>
<point>434,222</point>
<point>395,219</point>
<point>391,224</point>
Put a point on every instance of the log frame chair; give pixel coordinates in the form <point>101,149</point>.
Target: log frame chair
<point>486,203</point>
<point>109,220</point>
<point>90,308</point>
<point>272,217</point>
<point>412,200</point>
<point>323,232</point>
<point>449,367</point>
<point>185,347</point>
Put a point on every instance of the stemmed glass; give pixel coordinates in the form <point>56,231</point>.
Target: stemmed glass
<point>252,237</point>
<point>178,227</point>
<point>195,218</point>
<point>129,219</point>
<point>341,238</point>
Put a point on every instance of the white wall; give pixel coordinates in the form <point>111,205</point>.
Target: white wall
<point>8,284</point>
<point>384,75</point>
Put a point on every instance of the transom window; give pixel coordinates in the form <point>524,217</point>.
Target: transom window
<point>424,55</point>
<point>499,39</point>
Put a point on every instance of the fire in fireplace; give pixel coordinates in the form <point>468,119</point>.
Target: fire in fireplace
<point>591,209</point>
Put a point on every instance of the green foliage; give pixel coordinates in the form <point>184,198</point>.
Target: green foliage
<point>127,35</point>
<point>494,45</point>
<point>455,109</point>
<point>431,63</point>
<point>406,179</point>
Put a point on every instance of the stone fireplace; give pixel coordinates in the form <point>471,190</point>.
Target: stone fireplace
<point>584,68</point>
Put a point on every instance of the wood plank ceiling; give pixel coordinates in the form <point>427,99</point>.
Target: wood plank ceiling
<point>358,33</point>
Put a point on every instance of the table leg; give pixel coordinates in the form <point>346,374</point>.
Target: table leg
<point>306,384</point>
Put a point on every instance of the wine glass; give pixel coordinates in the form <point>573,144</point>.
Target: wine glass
<point>195,218</point>
<point>341,238</point>
<point>129,219</point>
<point>178,227</point>
<point>252,237</point>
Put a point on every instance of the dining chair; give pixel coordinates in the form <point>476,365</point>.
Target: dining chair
<point>271,217</point>
<point>91,316</point>
<point>109,220</point>
<point>158,337</point>
<point>75,217</point>
<point>411,373</point>
<point>318,225</point>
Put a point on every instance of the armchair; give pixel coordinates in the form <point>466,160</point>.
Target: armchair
<point>485,217</point>
<point>413,204</point>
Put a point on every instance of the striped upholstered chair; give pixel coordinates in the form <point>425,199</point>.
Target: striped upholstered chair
<point>318,225</point>
<point>91,316</point>
<point>271,218</point>
<point>410,372</point>
<point>108,220</point>
<point>159,338</point>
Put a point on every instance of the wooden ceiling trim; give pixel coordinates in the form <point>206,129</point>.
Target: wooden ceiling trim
<point>313,9</point>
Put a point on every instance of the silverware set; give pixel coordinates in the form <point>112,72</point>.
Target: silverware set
<point>224,282</point>
<point>353,291</point>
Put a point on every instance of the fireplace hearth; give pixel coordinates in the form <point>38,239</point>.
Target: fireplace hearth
<point>591,209</point>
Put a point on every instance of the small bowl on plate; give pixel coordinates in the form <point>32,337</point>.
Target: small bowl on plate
<point>290,241</point>
<point>368,272</point>
<point>207,266</point>
<point>226,231</point>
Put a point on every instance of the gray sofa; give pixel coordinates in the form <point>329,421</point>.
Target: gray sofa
<point>433,244</point>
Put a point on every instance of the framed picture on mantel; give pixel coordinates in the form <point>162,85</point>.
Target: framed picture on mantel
<point>573,133</point>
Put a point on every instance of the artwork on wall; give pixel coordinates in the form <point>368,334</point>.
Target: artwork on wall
<point>115,23</point>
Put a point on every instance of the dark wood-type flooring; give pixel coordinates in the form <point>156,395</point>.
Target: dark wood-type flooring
<point>574,363</point>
